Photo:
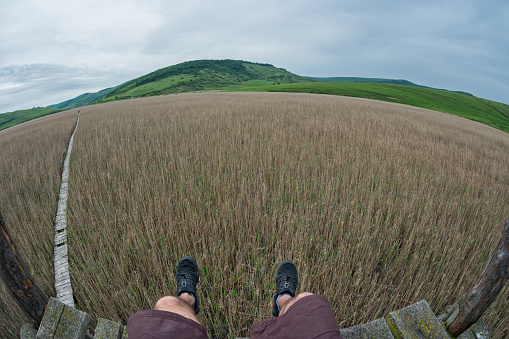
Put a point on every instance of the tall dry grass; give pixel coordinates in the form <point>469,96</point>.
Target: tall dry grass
<point>379,205</point>
<point>30,156</point>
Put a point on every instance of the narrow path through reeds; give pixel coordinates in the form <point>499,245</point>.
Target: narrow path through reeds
<point>62,279</point>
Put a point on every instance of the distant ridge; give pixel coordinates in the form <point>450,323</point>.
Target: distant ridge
<point>358,79</point>
<point>379,81</point>
<point>82,100</point>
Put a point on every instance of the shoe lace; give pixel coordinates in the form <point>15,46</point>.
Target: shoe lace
<point>185,279</point>
<point>286,281</point>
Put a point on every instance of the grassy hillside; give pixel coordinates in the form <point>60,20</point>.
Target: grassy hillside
<point>359,79</point>
<point>488,112</point>
<point>202,75</point>
<point>378,81</point>
<point>83,100</point>
<point>13,118</point>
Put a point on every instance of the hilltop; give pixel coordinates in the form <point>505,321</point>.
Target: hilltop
<point>202,75</point>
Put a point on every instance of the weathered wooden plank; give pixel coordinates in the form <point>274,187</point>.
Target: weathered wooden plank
<point>73,324</point>
<point>62,284</point>
<point>416,321</point>
<point>51,318</point>
<point>61,252</point>
<point>61,266</point>
<point>60,238</point>
<point>480,330</point>
<point>61,271</point>
<point>107,329</point>
<point>486,290</point>
<point>62,321</point>
<point>20,284</point>
<point>28,331</point>
<point>377,329</point>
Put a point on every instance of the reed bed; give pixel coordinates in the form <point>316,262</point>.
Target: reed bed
<point>30,156</point>
<point>379,205</point>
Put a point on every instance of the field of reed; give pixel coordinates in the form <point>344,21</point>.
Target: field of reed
<point>30,156</point>
<point>379,205</point>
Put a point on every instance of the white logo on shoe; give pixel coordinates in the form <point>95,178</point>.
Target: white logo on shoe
<point>286,284</point>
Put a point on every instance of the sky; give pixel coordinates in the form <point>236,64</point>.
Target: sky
<point>55,50</point>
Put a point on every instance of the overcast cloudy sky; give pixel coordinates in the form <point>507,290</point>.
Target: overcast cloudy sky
<point>54,50</point>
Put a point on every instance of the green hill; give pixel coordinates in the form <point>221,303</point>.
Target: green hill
<point>83,100</point>
<point>13,118</point>
<point>488,112</point>
<point>202,75</point>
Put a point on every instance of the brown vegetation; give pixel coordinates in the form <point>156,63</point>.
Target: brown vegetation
<point>30,156</point>
<point>379,205</point>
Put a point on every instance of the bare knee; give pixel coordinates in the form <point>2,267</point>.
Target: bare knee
<point>176,305</point>
<point>168,303</point>
<point>285,305</point>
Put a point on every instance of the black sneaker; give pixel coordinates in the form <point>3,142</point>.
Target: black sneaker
<point>286,282</point>
<point>187,278</point>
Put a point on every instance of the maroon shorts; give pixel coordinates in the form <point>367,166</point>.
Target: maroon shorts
<point>310,317</point>
<point>154,324</point>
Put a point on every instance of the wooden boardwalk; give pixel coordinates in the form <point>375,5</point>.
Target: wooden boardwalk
<point>62,278</point>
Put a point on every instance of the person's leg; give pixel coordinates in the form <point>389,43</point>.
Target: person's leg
<point>306,315</point>
<point>186,302</point>
<point>286,285</point>
<point>172,316</point>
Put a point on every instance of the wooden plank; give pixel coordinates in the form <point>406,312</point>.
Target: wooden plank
<point>73,324</point>
<point>20,284</point>
<point>60,238</point>
<point>416,321</point>
<point>377,329</point>
<point>124,334</point>
<point>28,331</point>
<point>107,329</point>
<point>62,321</point>
<point>51,319</point>
<point>486,290</point>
